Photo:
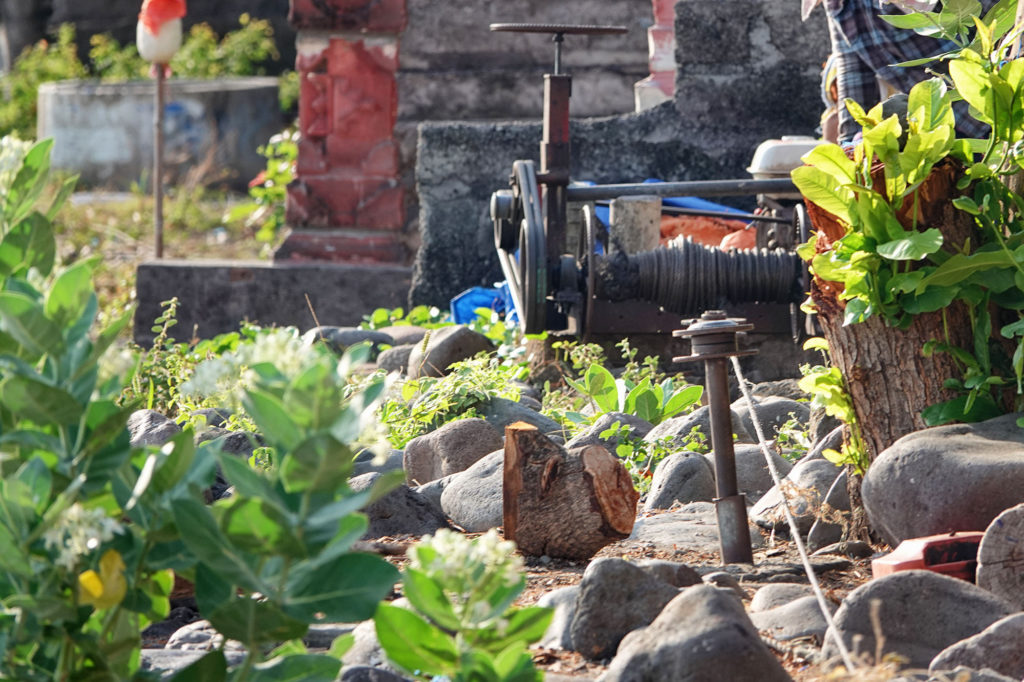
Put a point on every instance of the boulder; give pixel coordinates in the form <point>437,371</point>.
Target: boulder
<point>500,412</point>
<point>615,598</point>
<point>404,334</point>
<point>390,461</point>
<point>563,601</point>
<point>772,413</point>
<point>592,434</point>
<point>401,511</point>
<point>452,448</point>
<point>681,477</point>
<point>703,634</point>
<point>444,346</point>
<point>946,478</point>
<point>149,427</point>
<point>365,673</point>
<point>752,474</point>
<point>473,498</point>
<point>239,443</point>
<point>921,614</point>
<point>674,573</point>
<point>679,428</point>
<point>338,339</point>
<point>799,618</point>
<point>395,359</point>
<point>693,526</point>
<point>778,594</point>
<point>780,388</point>
<point>808,484</point>
<point>999,647</point>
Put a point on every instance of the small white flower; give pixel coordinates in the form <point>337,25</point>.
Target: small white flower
<point>78,532</point>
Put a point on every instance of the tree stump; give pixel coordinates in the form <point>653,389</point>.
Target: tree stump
<point>1001,557</point>
<point>564,504</point>
<point>889,379</point>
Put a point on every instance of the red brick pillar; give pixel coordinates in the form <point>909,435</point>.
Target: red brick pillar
<point>660,86</point>
<point>346,202</point>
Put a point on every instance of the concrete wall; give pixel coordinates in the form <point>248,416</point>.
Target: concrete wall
<point>748,71</point>
<point>104,131</point>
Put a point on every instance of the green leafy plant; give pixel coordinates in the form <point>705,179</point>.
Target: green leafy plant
<point>828,391</point>
<point>891,266</point>
<point>461,626</point>
<point>268,190</point>
<point>424,404</point>
<point>428,317</point>
<point>647,400</point>
<point>641,457</point>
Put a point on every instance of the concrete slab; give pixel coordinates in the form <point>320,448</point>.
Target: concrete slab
<point>215,297</point>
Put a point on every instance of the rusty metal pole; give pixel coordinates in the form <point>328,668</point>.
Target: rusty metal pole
<point>714,339</point>
<point>158,161</point>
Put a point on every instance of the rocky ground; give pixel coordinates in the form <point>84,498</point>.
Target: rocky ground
<point>659,604</point>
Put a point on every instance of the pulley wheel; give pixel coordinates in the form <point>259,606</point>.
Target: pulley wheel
<point>532,266</point>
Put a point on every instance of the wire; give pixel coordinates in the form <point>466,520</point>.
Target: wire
<point>844,653</point>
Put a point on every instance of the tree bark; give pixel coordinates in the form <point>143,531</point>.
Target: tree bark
<point>565,504</point>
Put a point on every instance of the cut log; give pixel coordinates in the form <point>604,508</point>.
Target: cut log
<point>1001,557</point>
<point>563,504</point>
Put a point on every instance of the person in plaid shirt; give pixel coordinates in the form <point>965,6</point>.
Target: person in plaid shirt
<point>865,49</point>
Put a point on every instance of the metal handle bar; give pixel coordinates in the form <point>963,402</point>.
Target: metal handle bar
<point>565,29</point>
<point>694,188</point>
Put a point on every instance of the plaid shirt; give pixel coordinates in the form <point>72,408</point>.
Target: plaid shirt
<point>866,46</point>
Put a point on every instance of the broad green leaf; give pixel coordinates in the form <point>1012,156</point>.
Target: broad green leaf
<point>319,463</point>
<point>247,481</point>
<point>601,388</point>
<point>70,293</point>
<point>24,320</point>
<point>414,644</point>
<point>973,84</point>
<point>255,622</point>
<point>28,183</point>
<point>956,410</point>
<point>259,526</point>
<point>525,625</point>
<point>212,667</point>
<point>29,243</point>
<point>915,246</point>
<point>66,189</point>
<point>204,539</point>
<point>826,191</point>
<point>39,402</point>
<point>682,399</point>
<point>931,299</point>
<point>912,21</point>
<point>297,668</point>
<point>346,589</point>
<point>272,418</point>
<point>38,482</point>
<point>428,598</point>
<point>831,159</point>
<point>959,267</point>
<point>928,102</point>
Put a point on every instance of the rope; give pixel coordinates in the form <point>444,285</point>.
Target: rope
<point>844,653</point>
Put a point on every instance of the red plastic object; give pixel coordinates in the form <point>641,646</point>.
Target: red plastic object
<point>953,554</point>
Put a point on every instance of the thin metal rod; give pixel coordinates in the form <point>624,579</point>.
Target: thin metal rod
<point>158,161</point>
<point>694,188</point>
<point>729,215</point>
<point>558,38</point>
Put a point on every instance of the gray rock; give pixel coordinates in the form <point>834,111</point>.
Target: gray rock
<point>854,549</point>
<point>999,647</point>
<point>823,534</point>
<point>820,426</point>
<point>473,498</point>
<point>799,618</point>
<point>947,478</point>
<point>563,601</point>
<point>681,477</point>
<point>500,412</point>
<point>679,428</point>
<point>149,427</point>
<point>752,475</point>
<point>395,359</point>
<point>391,462</point>
<point>338,339</point>
<point>833,440</point>
<point>433,490</point>
<point>772,413</point>
<point>615,598</point>
<point>702,635</point>
<point>780,388</point>
<point>404,334</point>
<point>529,390</point>
<point>322,635</point>
<point>725,581</point>
<point>694,526</point>
<point>674,573</point>
<point>365,673</point>
<point>444,346</point>
<point>808,484</point>
<point>777,594</point>
<point>530,402</point>
<point>179,617</point>
<point>450,449</point>
<point>921,614</point>
<point>400,512</point>
<point>366,649</point>
<point>172,661</point>
<point>239,443</point>
<point>200,635</point>
<point>592,434</point>
<point>964,674</point>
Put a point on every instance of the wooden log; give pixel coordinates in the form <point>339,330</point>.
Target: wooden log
<point>564,504</point>
<point>1001,557</point>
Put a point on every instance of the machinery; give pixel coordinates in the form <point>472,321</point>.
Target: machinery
<point>590,290</point>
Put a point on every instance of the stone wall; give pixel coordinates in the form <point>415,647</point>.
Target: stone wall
<point>748,71</point>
